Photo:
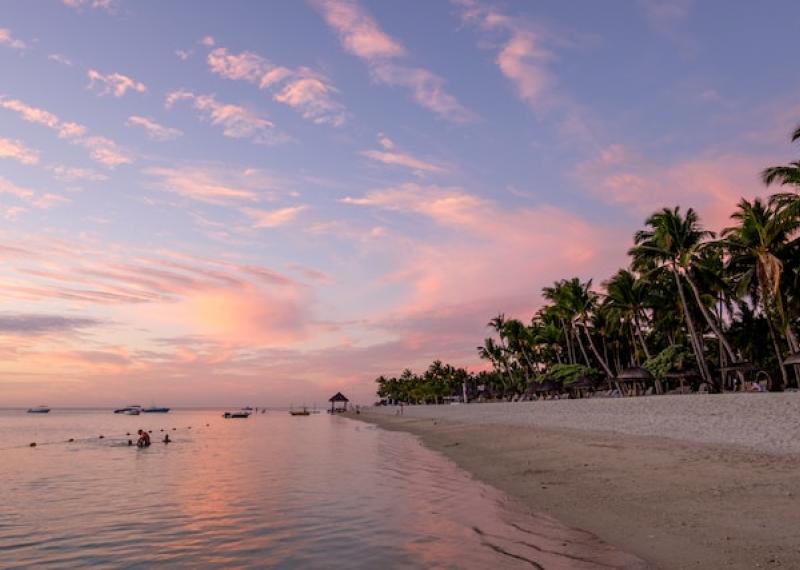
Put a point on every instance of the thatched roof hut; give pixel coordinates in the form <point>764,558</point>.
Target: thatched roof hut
<point>337,399</point>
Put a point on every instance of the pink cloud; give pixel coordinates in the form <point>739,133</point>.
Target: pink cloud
<point>214,185</point>
<point>273,218</point>
<point>237,122</point>
<point>18,151</point>
<point>101,149</point>
<point>477,241</point>
<point>154,130</point>
<point>305,90</point>
<point>115,84</point>
<point>7,39</point>
<point>521,58</point>
<point>361,35</point>
<point>404,160</point>
<point>107,5</point>
<point>711,183</point>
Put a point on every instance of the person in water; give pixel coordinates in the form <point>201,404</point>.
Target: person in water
<point>167,439</point>
<point>144,439</point>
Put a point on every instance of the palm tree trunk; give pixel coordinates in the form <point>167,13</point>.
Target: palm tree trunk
<point>597,355</point>
<point>793,345</point>
<point>568,339</point>
<point>774,334</point>
<point>712,322</point>
<point>583,348</point>
<point>641,335</point>
<point>698,348</point>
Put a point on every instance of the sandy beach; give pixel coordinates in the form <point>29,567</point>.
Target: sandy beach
<point>680,481</point>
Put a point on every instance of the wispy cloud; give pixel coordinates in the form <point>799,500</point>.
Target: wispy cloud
<point>214,185</point>
<point>107,5</point>
<point>101,149</point>
<point>29,196</point>
<point>60,58</point>
<point>36,324</point>
<point>522,57</point>
<point>115,84</point>
<point>7,39</point>
<point>236,121</point>
<point>273,218</point>
<point>361,35</point>
<point>154,130</point>
<point>393,157</point>
<point>18,151</point>
<point>71,174</point>
<point>305,90</point>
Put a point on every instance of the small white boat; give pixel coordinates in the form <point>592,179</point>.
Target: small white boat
<point>129,410</point>
<point>39,410</point>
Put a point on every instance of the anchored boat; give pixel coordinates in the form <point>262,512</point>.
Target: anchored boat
<point>39,410</point>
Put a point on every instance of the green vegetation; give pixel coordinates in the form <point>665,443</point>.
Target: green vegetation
<point>691,301</point>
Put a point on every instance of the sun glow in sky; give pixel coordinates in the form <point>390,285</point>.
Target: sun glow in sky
<point>249,202</point>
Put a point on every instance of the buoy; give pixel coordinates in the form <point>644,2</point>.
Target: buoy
<point>128,433</point>
<point>102,436</point>
<point>70,440</point>
<point>33,444</point>
<point>161,430</point>
<point>149,431</point>
<point>173,429</point>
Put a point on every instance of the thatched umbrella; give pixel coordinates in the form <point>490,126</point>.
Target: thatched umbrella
<point>680,375</point>
<point>548,386</point>
<point>739,368</point>
<point>636,375</point>
<point>583,384</point>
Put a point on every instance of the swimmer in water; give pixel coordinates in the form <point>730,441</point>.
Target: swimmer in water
<point>144,439</point>
<point>167,439</point>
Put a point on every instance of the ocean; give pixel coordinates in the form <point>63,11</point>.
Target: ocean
<point>270,491</point>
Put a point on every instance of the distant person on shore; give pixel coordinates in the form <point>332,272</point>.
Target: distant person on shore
<point>144,439</point>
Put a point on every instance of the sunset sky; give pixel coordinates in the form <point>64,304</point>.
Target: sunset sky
<point>264,202</point>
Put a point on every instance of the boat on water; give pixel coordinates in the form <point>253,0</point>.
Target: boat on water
<point>129,410</point>
<point>237,414</point>
<point>303,412</point>
<point>39,410</point>
<point>155,410</point>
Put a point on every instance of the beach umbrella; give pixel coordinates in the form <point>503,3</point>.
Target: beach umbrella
<point>740,367</point>
<point>548,385</point>
<point>792,359</point>
<point>634,374</point>
<point>583,382</point>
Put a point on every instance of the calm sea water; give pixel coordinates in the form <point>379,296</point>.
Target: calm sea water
<point>269,491</point>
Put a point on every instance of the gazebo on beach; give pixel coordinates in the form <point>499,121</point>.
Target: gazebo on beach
<point>338,403</point>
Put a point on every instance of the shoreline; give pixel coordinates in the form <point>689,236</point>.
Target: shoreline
<point>675,502</point>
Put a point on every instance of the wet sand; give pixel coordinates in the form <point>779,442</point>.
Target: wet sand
<point>718,488</point>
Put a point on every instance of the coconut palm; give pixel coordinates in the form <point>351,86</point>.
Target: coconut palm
<point>671,243</point>
<point>756,246</point>
<point>625,302</point>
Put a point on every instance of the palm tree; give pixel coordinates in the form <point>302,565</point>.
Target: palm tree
<point>784,175</point>
<point>626,297</point>
<point>756,246</point>
<point>671,244</point>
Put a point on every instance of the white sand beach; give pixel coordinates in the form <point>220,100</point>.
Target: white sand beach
<point>701,481</point>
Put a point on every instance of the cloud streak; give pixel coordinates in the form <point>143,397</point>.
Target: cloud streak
<point>18,151</point>
<point>101,149</point>
<point>361,35</point>
<point>115,84</point>
<point>308,92</point>
<point>237,122</point>
<point>154,130</point>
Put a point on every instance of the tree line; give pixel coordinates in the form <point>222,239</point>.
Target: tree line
<point>690,300</point>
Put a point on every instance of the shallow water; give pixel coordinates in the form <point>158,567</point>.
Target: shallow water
<point>269,491</point>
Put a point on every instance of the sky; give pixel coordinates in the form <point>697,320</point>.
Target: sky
<point>266,202</point>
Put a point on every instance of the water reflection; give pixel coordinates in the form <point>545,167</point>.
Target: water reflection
<point>272,490</point>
